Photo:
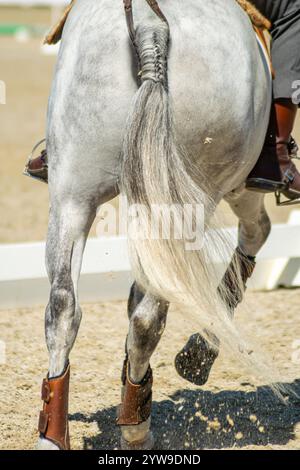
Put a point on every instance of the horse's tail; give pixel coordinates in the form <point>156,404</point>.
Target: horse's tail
<point>156,176</point>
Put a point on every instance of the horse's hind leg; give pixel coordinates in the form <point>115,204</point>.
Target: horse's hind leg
<point>147,316</point>
<point>69,225</point>
<point>254,222</point>
<point>195,360</point>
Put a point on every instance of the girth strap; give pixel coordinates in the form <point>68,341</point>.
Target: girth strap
<point>129,15</point>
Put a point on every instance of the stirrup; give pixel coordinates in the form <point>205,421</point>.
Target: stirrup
<point>263,185</point>
<point>40,175</point>
<point>290,201</point>
<point>292,195</point>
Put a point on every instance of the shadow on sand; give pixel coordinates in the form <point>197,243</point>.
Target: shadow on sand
<point>196,419</point>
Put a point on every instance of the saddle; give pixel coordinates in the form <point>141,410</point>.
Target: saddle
<point>258,20</point>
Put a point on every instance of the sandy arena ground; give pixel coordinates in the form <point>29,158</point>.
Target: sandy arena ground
<point>229,412</point>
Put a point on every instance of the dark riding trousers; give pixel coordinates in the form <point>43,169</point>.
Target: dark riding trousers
<point>285,18</point>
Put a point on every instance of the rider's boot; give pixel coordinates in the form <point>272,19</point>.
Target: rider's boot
<point>286,113</point>
<point>281,175</point>
<point>38,167</point>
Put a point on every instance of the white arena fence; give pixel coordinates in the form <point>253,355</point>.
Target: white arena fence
<point>106,271</point>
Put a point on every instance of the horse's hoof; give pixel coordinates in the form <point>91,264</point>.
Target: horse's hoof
<point>195,360</point>
<point>137,437</point>
<point>146,444</point>
<point>45,444</point>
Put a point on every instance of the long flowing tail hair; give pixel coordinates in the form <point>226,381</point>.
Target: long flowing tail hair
<point>157,172</point>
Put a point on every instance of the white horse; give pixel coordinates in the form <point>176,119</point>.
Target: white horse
<point>198,149</point>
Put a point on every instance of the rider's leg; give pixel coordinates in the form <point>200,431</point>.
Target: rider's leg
<point>286,63</point>
<point>279,148</point>
<point>286,112</point>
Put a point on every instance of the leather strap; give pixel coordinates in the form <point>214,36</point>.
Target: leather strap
<point>136,399</point>
<point>53,420</point>
<point>129,15</point>
<point>129,19</point>
<point>156,8</point>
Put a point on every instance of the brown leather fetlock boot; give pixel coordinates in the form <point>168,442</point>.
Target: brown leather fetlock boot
<point>134,413</point>
<point>53,420</point>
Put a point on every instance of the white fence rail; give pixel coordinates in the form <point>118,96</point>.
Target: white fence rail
<point>105,273</point>
<point>106,270</point>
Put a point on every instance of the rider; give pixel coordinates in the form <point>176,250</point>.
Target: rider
<point>266,176</point>
<point>285,31</point>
